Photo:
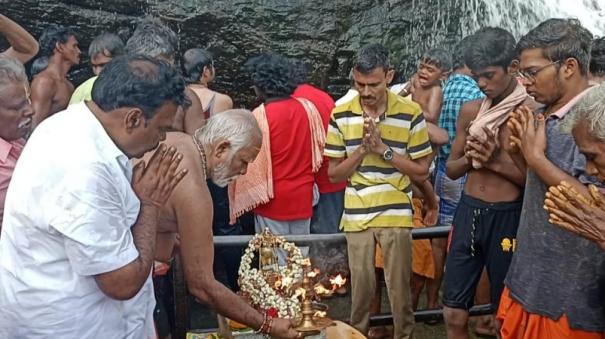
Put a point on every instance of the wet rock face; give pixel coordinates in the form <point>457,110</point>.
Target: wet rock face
<point>326,34</point>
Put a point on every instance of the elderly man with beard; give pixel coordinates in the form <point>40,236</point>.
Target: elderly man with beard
<point>220,151</point>
<point>15,120</point>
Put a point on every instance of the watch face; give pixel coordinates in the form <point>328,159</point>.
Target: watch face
<point>388,154</point>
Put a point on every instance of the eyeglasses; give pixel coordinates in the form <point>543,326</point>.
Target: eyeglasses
<point>530,75</point>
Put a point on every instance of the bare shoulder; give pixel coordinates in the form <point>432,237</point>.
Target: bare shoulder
<point>225,101</point>
<point>469,110</point>
<point>44,80</point>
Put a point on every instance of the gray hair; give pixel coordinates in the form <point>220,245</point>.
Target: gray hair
<point>106,43</point>
<point>238,126</point>
<point>11,71</point>
<point>153,39</point>
<point>591,109</point>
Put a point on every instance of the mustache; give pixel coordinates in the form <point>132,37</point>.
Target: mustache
<point>24,123</point>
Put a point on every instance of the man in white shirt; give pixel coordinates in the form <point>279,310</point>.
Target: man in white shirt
<point>80,223</point>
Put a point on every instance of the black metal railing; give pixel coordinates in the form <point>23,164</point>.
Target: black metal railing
<point>180,297</point>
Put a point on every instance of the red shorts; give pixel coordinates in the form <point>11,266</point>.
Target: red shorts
<point>520,324</point>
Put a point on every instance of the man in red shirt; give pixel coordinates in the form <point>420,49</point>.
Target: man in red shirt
<point>289,211</point>
<point>328,211</point>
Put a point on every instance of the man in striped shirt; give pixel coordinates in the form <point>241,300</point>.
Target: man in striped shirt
<point>379,142</point>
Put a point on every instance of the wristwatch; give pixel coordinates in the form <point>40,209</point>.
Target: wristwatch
<point>388,154</point>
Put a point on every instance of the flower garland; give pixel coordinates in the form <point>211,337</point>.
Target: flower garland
<point>253,283</point>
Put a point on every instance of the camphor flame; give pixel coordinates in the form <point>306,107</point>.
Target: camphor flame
<point>306,262</point>
<point>338,281</point>
<point>321,290</point>
<point>313,273</point>
<point>319,314</point>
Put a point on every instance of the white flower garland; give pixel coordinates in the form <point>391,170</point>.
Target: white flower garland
<point>253,282</point>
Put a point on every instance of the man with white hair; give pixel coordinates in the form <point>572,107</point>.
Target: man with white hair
<point>569,209</point>
<point>220,151</point>
<point>15,119</point>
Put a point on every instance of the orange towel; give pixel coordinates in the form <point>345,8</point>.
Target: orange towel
<point>520,324</point>
<point>494,117</point>
<point>255,188</point>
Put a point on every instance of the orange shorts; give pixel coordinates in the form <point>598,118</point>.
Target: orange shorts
<point>520,324</point>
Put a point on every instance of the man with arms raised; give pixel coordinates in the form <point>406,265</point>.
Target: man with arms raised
<point>220,151</point>
<point>23,45</point>
<point>487,217</point>
<point>51,90</point>
<point>80,222</point>
<point>556,280</point>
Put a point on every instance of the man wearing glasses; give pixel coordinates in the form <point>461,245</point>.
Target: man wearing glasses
<point>556,281</point>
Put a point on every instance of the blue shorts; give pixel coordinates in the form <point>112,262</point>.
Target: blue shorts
<point>449,192</point>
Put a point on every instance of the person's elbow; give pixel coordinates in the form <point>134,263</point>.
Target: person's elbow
<point>451,172</point>
<point>119,291</point>
<point>201,289</point>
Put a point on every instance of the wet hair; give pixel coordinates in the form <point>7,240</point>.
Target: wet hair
<point>590,109</point>
<point>194,61</point>
<point>301,70</point>
<point>439,58</point>
<point>38,65</point>
<point>490,47</point>
<point>458,55</point>
<point>272,74</point>
<point>153,39</point>
<point>107,44</point>
<point>597,57</point>
<point>139,81</point>
<point>51,36</point>
<point>11,71</point>
<point>370,57</point>
<point>560,39</point>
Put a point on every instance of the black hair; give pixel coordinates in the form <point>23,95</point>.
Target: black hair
<point>438,57</point>
<point>38,65</point>
<point>490,47</point>
<point>194,61</point>
<point>597,57</point>
<point>139,81</point>
<point>560,39</point>
<point>458,55</point>
<point>52,35</point>
<point>370,57</point>
<point>106,42</point>
<point>272,74</point>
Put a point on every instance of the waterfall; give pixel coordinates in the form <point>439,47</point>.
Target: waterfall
<point>519,16</point>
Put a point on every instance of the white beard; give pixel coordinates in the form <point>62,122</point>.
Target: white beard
<point>219,175</point>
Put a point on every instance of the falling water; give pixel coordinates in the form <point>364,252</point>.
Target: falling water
<point>519,16</point>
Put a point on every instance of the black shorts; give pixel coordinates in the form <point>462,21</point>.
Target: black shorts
<point>483,234</point>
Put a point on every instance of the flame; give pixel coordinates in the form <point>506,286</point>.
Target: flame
<point>313,273</point>
<point>306,262</point>
<point>319,314</point>
<point>338,281</point>
<point>321,290</point>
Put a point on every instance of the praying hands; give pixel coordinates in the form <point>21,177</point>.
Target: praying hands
<point>577,213</point>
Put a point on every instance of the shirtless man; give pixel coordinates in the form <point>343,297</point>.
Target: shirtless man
<point>486,221</point>
<point>220,151</point>
<point>23,45</point>
<point>51,90</point>
<point>200,72</point>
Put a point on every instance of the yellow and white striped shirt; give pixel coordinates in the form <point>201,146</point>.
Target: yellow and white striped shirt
<point>377,194</point>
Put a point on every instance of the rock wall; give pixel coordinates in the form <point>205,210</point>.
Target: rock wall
<point>325,34</point>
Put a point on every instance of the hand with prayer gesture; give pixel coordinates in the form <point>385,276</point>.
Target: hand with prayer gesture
<point>482,152</point>
<point>154,182</point>
<point>371,137</point>
<point>577,213</point>
<point>528,134</point>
